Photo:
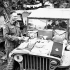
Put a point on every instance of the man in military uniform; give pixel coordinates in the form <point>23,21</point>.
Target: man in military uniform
<point>12,35</point>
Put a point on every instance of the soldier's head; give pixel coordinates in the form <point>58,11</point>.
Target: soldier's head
<point>13,18</point>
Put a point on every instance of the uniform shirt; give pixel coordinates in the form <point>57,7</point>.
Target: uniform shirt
<point>11,33</point>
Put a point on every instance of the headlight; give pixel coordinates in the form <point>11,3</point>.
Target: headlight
<point>53,62</point>
<point>18,58</point>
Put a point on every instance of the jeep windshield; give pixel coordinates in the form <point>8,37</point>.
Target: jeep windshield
<point>52,19</point>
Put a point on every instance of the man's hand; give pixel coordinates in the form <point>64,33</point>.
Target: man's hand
<point>21,38</point>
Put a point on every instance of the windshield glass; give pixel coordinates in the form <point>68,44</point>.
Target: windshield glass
<point>47,24</point>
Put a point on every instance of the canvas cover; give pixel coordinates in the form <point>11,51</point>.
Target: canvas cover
<point>51,13</point>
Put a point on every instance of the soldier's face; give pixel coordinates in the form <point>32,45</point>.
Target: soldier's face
<point>13,21</point>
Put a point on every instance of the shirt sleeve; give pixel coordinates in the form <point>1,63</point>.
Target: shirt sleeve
<point>7,35</point>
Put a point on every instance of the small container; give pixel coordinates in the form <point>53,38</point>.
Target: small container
<point>32,34</point>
